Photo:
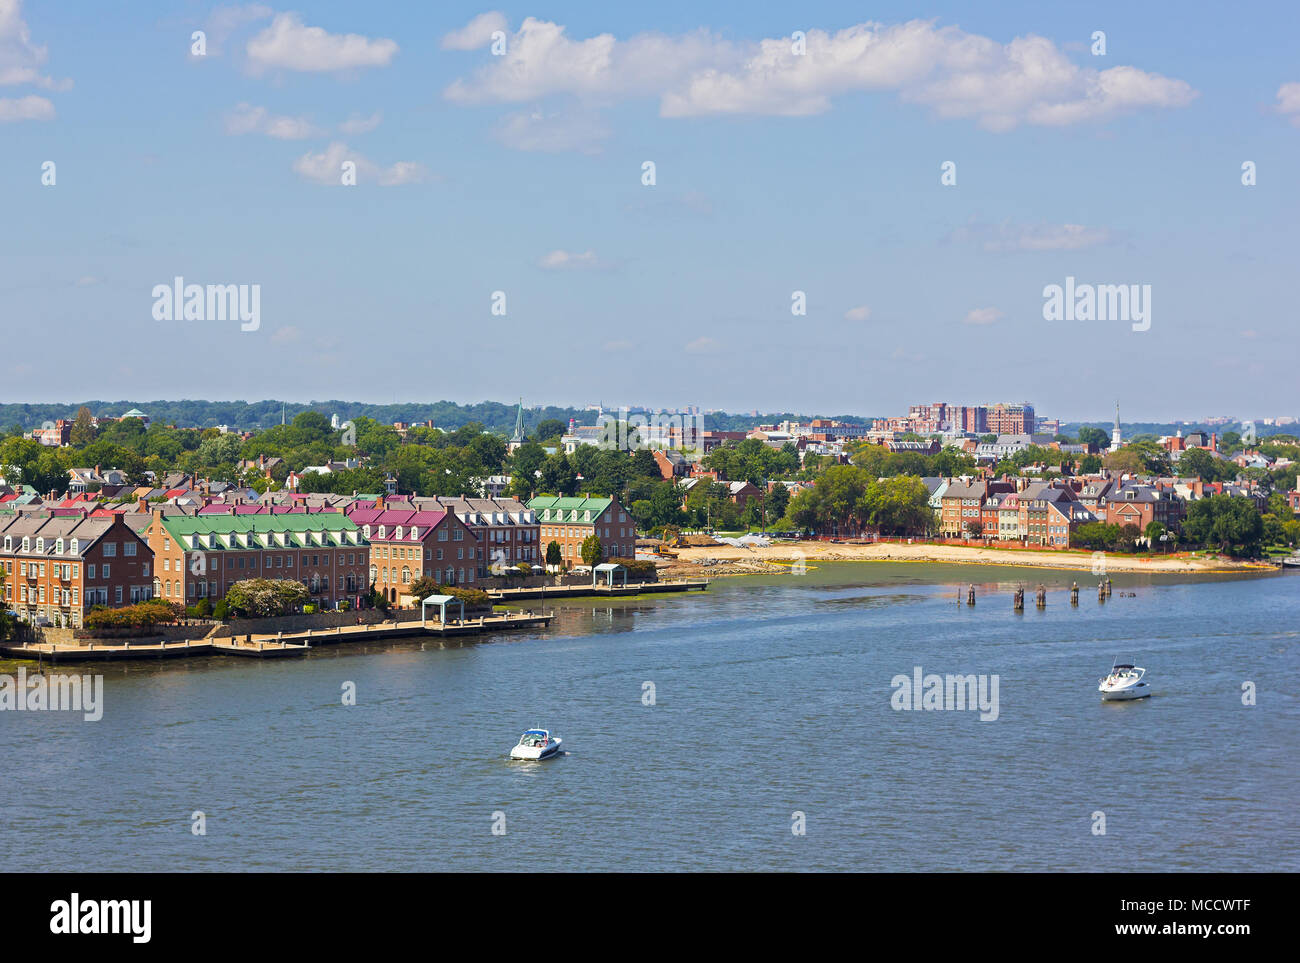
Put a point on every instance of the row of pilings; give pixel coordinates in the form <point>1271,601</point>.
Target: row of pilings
<point>1104,589</point>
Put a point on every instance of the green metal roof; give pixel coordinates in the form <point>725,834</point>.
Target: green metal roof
<point>571,509</point>
<point>337,530</point>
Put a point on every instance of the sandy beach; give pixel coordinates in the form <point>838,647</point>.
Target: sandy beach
<point>778,556</point>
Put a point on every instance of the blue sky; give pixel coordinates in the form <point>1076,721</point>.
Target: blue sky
<point>775,173</point>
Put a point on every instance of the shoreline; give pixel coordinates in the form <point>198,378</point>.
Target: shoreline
<point>776,558</point>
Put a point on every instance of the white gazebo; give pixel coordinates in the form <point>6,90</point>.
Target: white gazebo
<point>440,601</point>
<point>608,569</point>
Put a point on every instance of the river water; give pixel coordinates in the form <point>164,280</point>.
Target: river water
<point>771,698</point>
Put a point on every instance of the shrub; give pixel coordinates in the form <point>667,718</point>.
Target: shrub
<point>638,569</point>
<point>221,611</point>
<point>473,598</point>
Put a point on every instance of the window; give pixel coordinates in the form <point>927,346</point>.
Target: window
<point>117,595</point>
<point>90,571</point>
<point>128,549</point>
<point>110,549</point>
<point>102,574</point>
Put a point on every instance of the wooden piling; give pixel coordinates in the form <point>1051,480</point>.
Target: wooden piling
<point>970,595</point>
<point>1074,594</point>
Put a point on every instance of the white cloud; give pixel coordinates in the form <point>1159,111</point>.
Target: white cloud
<point>1028,80</point>
<point>475,34</point>
<point>541,60</point>
<point>225,21</point>
<point>21,60</point>
<point>984,316</point>
<point>30,107</point>
<point>356,124</point>
<point>1288,102</point>
<point>561,260</point>
<point>704,345</point>
<point>326,168</point>
<point>860,313</point>
<point>615,347</point>
<point>552,133</point>
<point>1009,236</point>
<point>287,43</point>
<point>289,334</point>
<point>247,119</point>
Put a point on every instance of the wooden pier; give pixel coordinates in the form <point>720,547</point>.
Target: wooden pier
<point>278,646</point>
<point>596,591</point>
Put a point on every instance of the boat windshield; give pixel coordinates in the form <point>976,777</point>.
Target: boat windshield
<point>533,739</point>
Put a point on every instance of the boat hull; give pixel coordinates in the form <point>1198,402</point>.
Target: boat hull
<point>536,753</point>
<point>1128,694</point>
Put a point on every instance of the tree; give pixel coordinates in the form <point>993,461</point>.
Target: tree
<point>423,587</point>
<point>265,597</point>
<point>553,554</point>
<point>1229,522</point>
<point>83,428</point>
<point>1096,437</point>
<point>592,552</point>
<point>549,428</point>
<point>976,528</point>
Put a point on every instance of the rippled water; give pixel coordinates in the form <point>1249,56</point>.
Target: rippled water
<point>772,696</point>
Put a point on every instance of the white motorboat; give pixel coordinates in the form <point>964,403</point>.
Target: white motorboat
<point>536,744</point>
<point>1124,682</point>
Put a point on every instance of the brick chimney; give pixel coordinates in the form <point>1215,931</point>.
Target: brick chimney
<point>142,505</point>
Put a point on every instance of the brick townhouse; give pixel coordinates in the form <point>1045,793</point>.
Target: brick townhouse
<point>570,521</point>
<point>406,544</point>
<point>507,529</point>
<point>57,567</point>
<point>1139,505</point>
<point>201,556</point>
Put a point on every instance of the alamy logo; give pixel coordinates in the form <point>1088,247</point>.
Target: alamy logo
<point>627,432</point>
<point>179,301</point>
<point>1098,302</point>
<point>105,916</point>
<point>53,693</point>
<point>952,692</point>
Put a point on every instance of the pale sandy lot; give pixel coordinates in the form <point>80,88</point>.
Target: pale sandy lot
<point>784,553</point>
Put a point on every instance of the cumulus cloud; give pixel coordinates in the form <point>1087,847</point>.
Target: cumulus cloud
<point>541,60</point>
<point>559,260</point>
<point>326,167</point>
<point>1009,236</point>
<point>30,107</point>
<point>288,44</point>
<point>860,313</point>
<point>21,60</point>
<point>1288,102</point>
<point>225,21</point>
<point>475,34</point>
<point>983,316</point>
<point>1028,80</point>
<point>247,119</point>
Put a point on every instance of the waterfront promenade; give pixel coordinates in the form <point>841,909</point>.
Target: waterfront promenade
<point>277,645</point>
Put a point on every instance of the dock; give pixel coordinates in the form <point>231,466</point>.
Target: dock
<point>596,591</point>
<point>280,645</point>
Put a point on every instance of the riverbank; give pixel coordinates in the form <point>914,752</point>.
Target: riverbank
<point>722,560</point>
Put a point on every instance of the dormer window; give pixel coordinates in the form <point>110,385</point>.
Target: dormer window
<point>366,530</point>
<point>40,545</point>
<point>399,531</point>
<point>415,534</point>
<point>381,531</point>
<point>27,543</point>
<point>58,546</point>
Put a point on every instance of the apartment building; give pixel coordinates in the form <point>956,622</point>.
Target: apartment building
<point>58,566</point>
<point>570,521</point>
<point>507,529</point>
<point>201,556</point>
<point>406,544</point>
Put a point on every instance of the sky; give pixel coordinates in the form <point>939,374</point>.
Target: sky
<point>799,154</point>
